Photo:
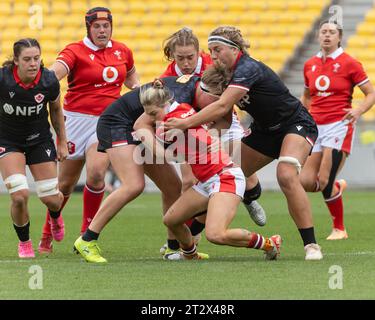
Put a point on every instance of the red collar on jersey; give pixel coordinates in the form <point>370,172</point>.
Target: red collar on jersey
<point>29,85</point>
<point>240,54</point>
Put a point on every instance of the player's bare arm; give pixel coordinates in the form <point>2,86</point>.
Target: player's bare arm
<point>132,80</point>
<point>59,69</point>
<point>212,112</point>
<point>57,120</point>
<point>353,114</point>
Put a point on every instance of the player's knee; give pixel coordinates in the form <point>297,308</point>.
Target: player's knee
<point>54,202</point>
<point>252,194</point>
<point>139,187</point>
<point>291,161</point>
<point>168,220</point>
<point>20,198</point>
<point>215,236</point>
<point>323,182</point>
<point>96,179</point>
<point>286,173</point>
<point>187,183</point>
<point>66,186</point>
<point>285,178</point>
<point>47,188</point>
<point>16,182</point>
<point>135,188</point>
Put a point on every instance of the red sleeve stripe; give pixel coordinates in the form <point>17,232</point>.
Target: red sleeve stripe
<point>131,71</point>
<point>119,143</point>
<point>64,63</point>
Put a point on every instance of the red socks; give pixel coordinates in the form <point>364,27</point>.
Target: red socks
<point>91,202</point>
<point>257,241</point>
<point>336,209</point>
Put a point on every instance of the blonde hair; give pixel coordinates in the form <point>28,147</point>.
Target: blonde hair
<point>183,37</point>
<point>233,34</point>
<point>157,94</point>
<point>216,78</point>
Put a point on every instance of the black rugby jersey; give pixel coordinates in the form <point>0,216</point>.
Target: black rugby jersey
<point>268,100</point>
<point>23,112</point>
<point>128,107</point>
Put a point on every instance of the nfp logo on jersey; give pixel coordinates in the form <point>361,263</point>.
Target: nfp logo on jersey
<point>110,74</point>
<point>22,111</point>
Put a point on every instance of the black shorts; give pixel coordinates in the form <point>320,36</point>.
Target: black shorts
<point>114,135</point>
<point>269,142</point>
<point>41,152</point>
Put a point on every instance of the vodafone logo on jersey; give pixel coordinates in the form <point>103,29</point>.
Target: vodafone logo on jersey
<point>110,74</point>
<point>322,83</point>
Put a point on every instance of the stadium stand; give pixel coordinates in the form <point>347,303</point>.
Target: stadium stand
<point>362,46</point>
<point>273,27</point>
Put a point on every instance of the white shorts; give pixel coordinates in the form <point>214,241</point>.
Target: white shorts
<point>230,180</point>
<point>80,132</point>
<point>235,131</point>
<point>337,135</point>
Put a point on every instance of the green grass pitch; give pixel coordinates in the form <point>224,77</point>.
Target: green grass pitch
<point>135,270</point>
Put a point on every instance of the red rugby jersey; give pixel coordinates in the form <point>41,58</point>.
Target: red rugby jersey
<point>95,75</point>
<point>204,60</point>
<point>203,164</point>
<point>331,84</point>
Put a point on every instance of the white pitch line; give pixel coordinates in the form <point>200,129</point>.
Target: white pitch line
<point>155,258</point>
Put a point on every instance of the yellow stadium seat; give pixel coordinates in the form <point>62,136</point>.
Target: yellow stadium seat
<point>50,47</point>
<point>273,27</point>
<point>79,8</point>
<point>67,35</point>
<point>132,21</point>
<point>21,8</point>
<point>361,45</point>
<point>48,34</point>
<point>199,7</point>
<point>136,7</point>
<point>117,8</point>
<point>238,6</point>
<point>178,7</point>
<point>367,29</point>
<point>158,7</point>
<point>44,5</point>
<point>216,5</point>
<point>11,33</point>
<point>97,3</point>
<point>6,10</point>
<point>15,22</point>
<point>59,8</point>
<point>48,58</point>
<point>76,20</point>
<point>53,21</point>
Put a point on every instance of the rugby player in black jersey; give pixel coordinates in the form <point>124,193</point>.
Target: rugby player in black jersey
<point>282,128</point>
<point>26,88</point>
<point>117,138</point>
